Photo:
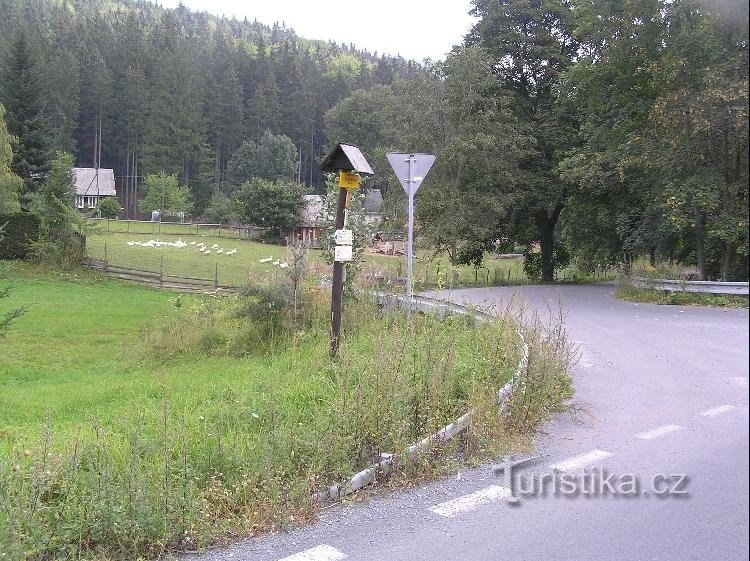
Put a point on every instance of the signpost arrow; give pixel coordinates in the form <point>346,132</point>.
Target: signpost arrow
<point>410,169</point>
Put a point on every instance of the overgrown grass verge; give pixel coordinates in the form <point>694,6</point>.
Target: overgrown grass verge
<point>651,296</point>
<point>221,417</point>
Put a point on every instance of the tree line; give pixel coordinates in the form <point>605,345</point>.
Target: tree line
<point>598,130</point>
<point>602,130</point>
<point>146,90</point>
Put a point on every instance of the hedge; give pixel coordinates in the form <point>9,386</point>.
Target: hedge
<point>21,230</point>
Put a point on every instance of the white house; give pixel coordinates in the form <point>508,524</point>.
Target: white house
<point>92,185</point>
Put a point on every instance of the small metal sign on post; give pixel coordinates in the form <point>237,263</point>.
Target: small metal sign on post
<point>410,169</point>
<point>351,164</point>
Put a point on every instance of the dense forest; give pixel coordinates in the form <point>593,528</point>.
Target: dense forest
<point>168,90</point>
<point>599,131</point>
<point>603,130</point>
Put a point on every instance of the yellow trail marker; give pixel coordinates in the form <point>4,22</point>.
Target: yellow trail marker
<point>348,180</point>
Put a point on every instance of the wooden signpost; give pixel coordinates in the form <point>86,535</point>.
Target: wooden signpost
<point>351,165</point>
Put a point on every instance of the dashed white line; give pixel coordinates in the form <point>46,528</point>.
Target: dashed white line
<point>658,432</point>
<point>471,501</point>
<point>581,460</point>
<point>720,410</point>
<point>322,552</point>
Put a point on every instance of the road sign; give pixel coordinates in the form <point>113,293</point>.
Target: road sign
<point>342,253</point>
<point>410,169</point>
<point>343,237</point>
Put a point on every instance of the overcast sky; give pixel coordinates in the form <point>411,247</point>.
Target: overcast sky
<point>415,29</point>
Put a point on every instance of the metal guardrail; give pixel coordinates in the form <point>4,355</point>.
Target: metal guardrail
<point>705,287</point>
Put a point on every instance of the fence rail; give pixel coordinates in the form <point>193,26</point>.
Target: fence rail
<point>159,278</point>
<point>705,287</point>
<point>178,228</point>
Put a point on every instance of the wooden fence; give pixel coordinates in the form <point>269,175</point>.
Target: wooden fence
<point>160,279</point>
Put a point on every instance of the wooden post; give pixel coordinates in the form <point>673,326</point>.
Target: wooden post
<point>161,270</point>
<point>337,287</point>
<point>106,266</point>
<point>216,276</point>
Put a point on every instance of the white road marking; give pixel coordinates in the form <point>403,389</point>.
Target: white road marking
<point>321,552</point>
<point>741,381</point>
<point>720,410</point>
<point>581,460</point>
<point>471,501</point>
<point>658,432</point>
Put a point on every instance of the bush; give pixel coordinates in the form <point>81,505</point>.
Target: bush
<point>109,207</point>
<point>22,230</point>
<point>220,210</point>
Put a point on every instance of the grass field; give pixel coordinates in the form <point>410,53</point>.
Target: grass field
<point>429,270</point>
<point>112,447</point>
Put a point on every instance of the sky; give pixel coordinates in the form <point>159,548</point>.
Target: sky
<point>415,29</point>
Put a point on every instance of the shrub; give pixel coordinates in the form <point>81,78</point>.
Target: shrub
<point>275,205</point>
<point>22,230</point>
<point>109,207</point>
<point>220,210</point>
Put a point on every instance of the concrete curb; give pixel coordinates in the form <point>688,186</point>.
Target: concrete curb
<point>412,453</point>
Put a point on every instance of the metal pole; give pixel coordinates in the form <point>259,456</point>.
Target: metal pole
<point>337,286</point>
<point>410,239</point>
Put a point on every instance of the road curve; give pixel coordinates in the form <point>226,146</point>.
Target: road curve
<point>660,390</point>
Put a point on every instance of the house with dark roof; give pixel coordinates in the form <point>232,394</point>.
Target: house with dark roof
<point>373,204</point>
<point>92,185</point>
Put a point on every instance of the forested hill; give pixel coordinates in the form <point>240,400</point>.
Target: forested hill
<point>175,90</point>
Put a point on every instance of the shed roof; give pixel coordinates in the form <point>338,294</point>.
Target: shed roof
<point>347,158</point>
<point>87,184</point>
<point>310,215</point>
<point>373,201</point>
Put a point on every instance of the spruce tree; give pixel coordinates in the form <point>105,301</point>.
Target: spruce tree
<point>24,101</point>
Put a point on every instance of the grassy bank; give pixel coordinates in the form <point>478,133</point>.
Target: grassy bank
<point>650,296</point>
<point>135,422</point>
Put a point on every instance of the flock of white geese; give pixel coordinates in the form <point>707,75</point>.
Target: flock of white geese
<point>200,246</point>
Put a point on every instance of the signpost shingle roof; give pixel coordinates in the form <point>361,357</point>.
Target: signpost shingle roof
<point>347,158</point>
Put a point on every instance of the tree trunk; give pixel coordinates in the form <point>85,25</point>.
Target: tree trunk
<point>652,256</point>
<point>700,239</point>
<point>547,242</point>
<point>546,223</point>
<point>726,260</point>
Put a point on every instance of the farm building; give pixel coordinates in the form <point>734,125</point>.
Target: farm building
<point>92,185</point>
<point>373,203</point>
<point>309,229</point>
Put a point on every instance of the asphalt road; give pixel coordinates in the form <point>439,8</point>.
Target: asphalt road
<point>662,390</point>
